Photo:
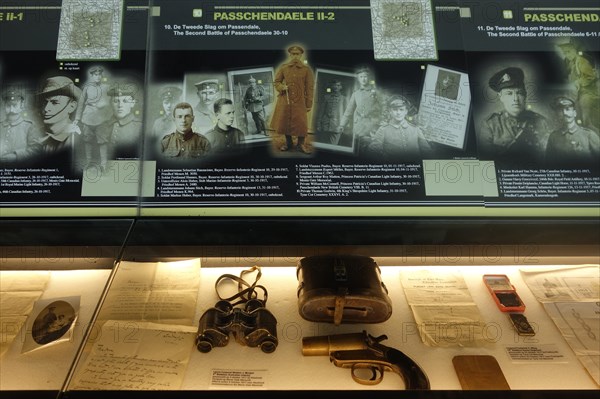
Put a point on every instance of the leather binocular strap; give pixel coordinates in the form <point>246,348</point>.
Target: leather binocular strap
<point>244,294</point>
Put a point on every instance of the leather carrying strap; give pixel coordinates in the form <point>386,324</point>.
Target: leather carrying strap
<point>340,301</point>
<point>243,294</point>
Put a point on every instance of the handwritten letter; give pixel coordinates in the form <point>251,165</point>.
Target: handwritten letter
<point>136,356</point>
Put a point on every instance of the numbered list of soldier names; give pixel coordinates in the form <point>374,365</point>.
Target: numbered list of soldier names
<point>551,183</point>
<point>310,182</point>
<point>347,180</point>
<point>222,183</point>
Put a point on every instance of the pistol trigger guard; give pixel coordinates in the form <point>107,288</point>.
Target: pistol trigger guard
<point>376,374</point>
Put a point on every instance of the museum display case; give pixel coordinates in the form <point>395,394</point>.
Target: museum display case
<point>118,288</point>
<point>157,212</point>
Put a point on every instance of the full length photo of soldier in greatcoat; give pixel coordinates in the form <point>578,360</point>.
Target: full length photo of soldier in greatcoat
<point>294,83</point>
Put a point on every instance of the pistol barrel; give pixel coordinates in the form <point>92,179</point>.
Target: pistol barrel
<point>324,345</point>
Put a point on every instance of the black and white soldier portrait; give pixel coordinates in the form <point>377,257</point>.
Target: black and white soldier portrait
<point>399,138</point>
<point>581,74</point>
<point>184,142</point>
<point>571,143</point>
<point>202,90</point>
<point>363,113</point>
<point>53,322</point>
<point>93,110</point>
<point>252,95</point>
<point>333,91</point>
<point>447,84</point>
<point>513,130</point>
<point>224,138</point>
<point>18,132</point>
<point>57,102</point>
<point>124,130</point>
<point>253,103</point>
<point>166,98</point>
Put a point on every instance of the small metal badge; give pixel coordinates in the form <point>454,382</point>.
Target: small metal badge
<point>339,270</point>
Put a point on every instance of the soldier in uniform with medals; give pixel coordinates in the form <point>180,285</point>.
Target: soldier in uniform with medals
<point>514,132</point>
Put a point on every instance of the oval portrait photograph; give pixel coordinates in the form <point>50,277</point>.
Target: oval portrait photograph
<point>53,322</point>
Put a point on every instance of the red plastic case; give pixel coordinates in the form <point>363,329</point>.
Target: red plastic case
<point>504,293</point>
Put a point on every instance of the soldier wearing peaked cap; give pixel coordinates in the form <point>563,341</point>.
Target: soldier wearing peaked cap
<point>96,69</point>
<point>364,110</point>
<point>92,111</point>
<point>17,134</point>
<point>121,134</point>
<point>58,100</point>
<point>331,109</point>
<point>170,93</point>
<point>123,89</point>
<point>254,103</point>
<point>294,82</point>
<point>208,92</point>
<point>13,93</point>
<point>398,138</point>
<point>207,83</point>
<point>169,96</point>
<point>295,48</point>
<point>511,77</point>
<point>571,142</point>
<point>514,131</point>
<point>569,50</point>
<point>588,89</point>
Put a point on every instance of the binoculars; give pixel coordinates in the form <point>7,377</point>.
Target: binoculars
<point>251,326</point>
